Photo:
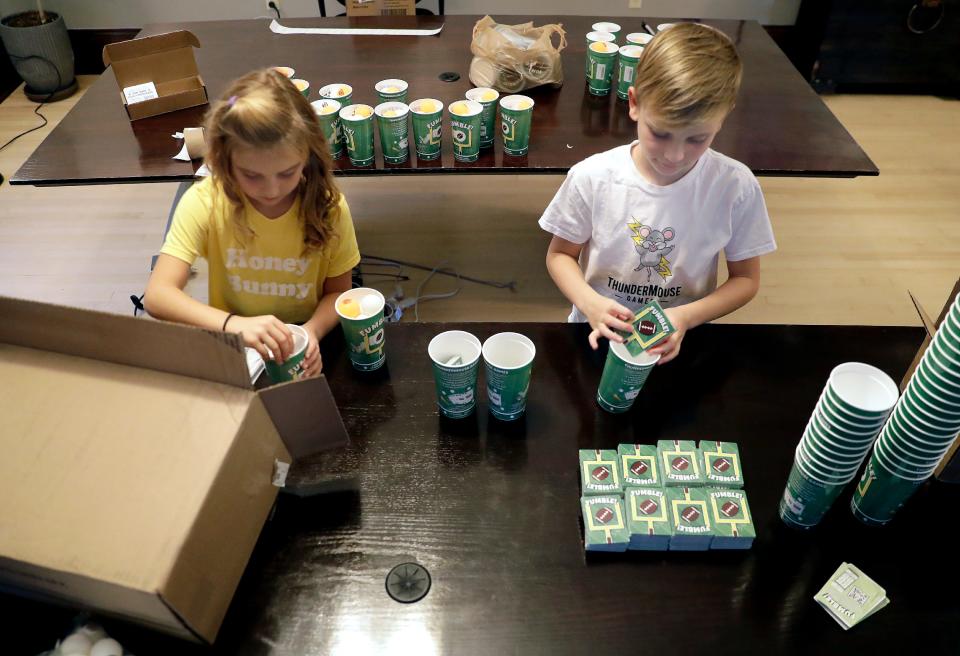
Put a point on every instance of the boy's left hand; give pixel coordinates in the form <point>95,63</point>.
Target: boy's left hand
<point>312,362</point>
<point>669,348</point>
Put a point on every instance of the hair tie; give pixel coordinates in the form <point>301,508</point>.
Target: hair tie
<point>231,100</point>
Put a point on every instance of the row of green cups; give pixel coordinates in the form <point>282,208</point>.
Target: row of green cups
<point>921,429</point>
<point>508,364</point>
<point>606,62</point>
<point>850,412</point>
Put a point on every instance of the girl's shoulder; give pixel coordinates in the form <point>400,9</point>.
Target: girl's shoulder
<point>205,198</point>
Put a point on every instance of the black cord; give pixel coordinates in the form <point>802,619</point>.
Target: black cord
<point>511,285</point>
<point>42,103</point>
<point>273,5</point>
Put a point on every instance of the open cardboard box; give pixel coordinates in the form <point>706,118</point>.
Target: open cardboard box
<point>166,60</point>
<point>138,464</point>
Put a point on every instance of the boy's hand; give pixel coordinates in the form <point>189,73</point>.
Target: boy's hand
<point>606,316</point>
<point>669,348</point>
<point>266,334</point>
<point>312,362</point>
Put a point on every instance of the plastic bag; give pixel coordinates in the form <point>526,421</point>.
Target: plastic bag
<point>511,58</point>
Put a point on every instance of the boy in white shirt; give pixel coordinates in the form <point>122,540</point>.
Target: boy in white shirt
<point>648,220</point>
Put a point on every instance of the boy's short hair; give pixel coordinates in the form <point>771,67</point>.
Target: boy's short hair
<point>688,73</point>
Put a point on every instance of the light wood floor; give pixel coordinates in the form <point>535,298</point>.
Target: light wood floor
<point>849,249</point>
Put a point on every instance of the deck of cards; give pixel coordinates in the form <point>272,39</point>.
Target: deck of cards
<point>850,596</point>
<point>674,496</point>
<point>650,325</point>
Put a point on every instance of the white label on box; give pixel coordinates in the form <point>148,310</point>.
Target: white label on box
<point>140,92</point>
<point>280,470</point>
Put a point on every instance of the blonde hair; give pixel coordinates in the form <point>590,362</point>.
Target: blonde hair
<point>688,73</point>
<point>264,109</point>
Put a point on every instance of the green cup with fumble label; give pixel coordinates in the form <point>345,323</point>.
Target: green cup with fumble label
<point>880,492</point>
<point>623,377</point>
<point>627,68</point>
<point>361,316</point>
<point>516,117</point>
<point>342,93</point>
<point>328,113</point>
<point>593,37</point>
<point>292,367</point>
<point>508,360</point>
<point>455,355</point>
<point>487,97</point>
<point>601,65</point>
<point>356,121</point>
<point>465,120</point>
<point>391,90</point>
<point>427,121</point>
<point>394,134</point>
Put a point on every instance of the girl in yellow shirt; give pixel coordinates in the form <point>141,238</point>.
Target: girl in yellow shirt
<point>274,229</point>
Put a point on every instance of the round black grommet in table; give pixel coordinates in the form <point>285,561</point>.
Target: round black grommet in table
<point>408,582</point>
<point>449,76</point>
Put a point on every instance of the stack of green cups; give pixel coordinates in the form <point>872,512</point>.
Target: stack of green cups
<point>465,119</point>
<point>845,422</point>
<point>623,377</point>
<point>427,127</point>
<point>356,121</point>
<point>627,68</point>
<point>456,360</point>
<point>516,117</point>
<point>302,86</point>
<point>508,360</point>
<point>593,37</point>
<point>639,38</point>
<point>361,316</point>
<point>487,97</point>
<point>601,63</point>
<point>342,93</point>
<point>609,28</point>
<point>388,90</point>
<point>328,113</point>
<point>292,367</point>
<point>394,135</point>
<point>920,431</point>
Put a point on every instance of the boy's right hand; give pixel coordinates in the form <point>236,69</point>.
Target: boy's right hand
<point>607,316</point>
<point>266,334</point>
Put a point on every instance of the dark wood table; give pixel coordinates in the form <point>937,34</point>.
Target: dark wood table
<point>779,127</point>
<point>491,509</point>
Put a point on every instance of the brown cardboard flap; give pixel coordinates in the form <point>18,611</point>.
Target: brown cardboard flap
<point>306,416</point>
<point>157,67</point>
<point>123,50</point>
<point>157,345</point>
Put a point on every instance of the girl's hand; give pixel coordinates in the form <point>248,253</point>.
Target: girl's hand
<point>669,348</point>
<point>605,316</point>
<point>312,361</point>
<point>266,334</point>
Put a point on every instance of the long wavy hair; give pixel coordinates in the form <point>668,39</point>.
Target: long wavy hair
<point>261,110</point>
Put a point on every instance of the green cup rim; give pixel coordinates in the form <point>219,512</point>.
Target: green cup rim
<point>522,338</point>
<point>894,450</point>
<point>944,349</point>
<point>907,467</point>
<point>953,324</point>
<point>826,443</point>
<point>323,94</point>
<point>928,378</point>
<point>800,461</point>
<point>634,34</point>
<point>942,368</point>
<point>828,396</point>
<point>613,37</point>
<point>844,378</point>
<point>919,451</point>
<point>918,389</point>
<point>896,471</point>
<point>353,109</point>
<point>906,431</point>
<point>921,426</point>
<point>826,464</point>
<point>832,430</point>
<point>604,54</point>
<point>506,101</point>
<point>473,339</point>
<point>912,401</point>
<point>605,23</point>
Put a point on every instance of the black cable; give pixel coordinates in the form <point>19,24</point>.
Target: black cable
<point>42,103</point>
<point>511,285</point>
<point>273,5</point>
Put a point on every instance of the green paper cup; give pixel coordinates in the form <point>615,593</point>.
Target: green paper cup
<point>902,465</point>
<point>664,26</point>
<point>516,116</point>
<point>487,97</point>
<point>829,401</point>
<point>342,93</point>
<point>285,71</point>
<point>361,315</point>
<point>926,390</point>
<point>944,366</point>
<point>601,64</point>
<point>950,327</point>
<point>627,68</point>
<point>356,121</point>
<point>932,431</point>
<point>292,367</point>
<point>427,116</point>
<point>830,424</point>
<point>639,38</point>
<point>593,37</point>
<point>934,415</point>
<point>456,360</point>
<point>806,500</point>
<point>822,443</point>
<point>508,360</point>
<point>394,135</point>
<point>902,432</point>
<point>812,470</point>
<point>932,383</point>
<point>391,90</point>
<point>328,113</point>
<point>465,120</point>
<point>830,471</point>
<point>302,86</point>
<point>880,494</point>
<point>862,390</point>
<point>623,377</point>
<point>929,403</point>
<point>609,28</point>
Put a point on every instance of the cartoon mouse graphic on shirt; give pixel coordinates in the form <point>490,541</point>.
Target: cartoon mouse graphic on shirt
<point>652,247</point>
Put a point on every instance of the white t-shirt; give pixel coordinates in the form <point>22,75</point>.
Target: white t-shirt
<point>643,241</point>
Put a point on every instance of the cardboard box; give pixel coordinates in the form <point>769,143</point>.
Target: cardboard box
<point>381,8</point>
<point>138,464</point>
<point>167,61</point>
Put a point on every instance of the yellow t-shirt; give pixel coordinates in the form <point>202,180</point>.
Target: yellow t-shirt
<point>267,274</point>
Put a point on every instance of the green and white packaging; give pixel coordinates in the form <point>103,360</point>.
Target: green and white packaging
<point>599,472</point>
<point>689,519</point>
<point>604,524</point>
<point>639,465</point>
<point>680,463</point>
<point>391,90</point>
<point>650,326</point>
<point>648,518</point>
<point>850,596</point>
<point>732,520</point>
<point>721,464</point>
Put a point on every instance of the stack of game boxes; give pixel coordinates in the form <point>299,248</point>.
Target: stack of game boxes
<point>673,496</point>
